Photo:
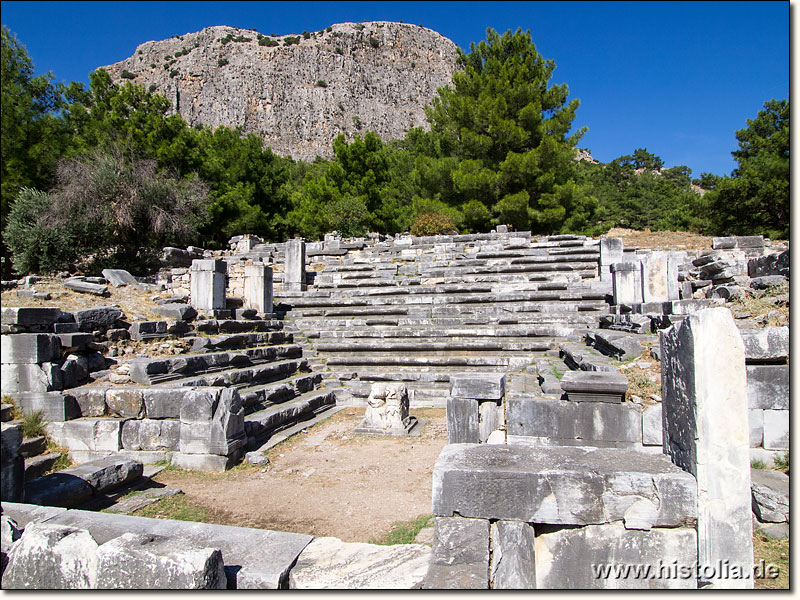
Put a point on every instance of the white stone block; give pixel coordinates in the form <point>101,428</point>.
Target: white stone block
<point>776,429</point>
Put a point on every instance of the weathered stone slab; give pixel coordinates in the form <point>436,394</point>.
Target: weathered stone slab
<point>460,558</point>
<point>145,561</point>
<point>12,464</point>
<point>91,400</point>
<point>479,386</point>
<point>207,284</point>
<point>513,563</point>
<point>28,316</point>
<point>54,406</point>
<point>258,288</point>
<point>652,434</point>
<point>723,243</point>
<point>178,312</point>
<point>294,277</point>
<point>254,558</point>
<point>462,421</point>
<point>106,474</point>
<point>29,348</point>
<point>329,563</point>
<point>706,432</point>
<point>151,434</point>
<point>102,318</point>
<point>213,463</point>
<point>163,403</point>
<point>776,429</point>
<point>612,557</point>
<point>768,386</point>
<point>626,278</point>
<point>142,330</point>
<point>772,264</point>
<point>619,345</point>
<point>767,344</point>
<point>756,421</point>
<point>125,402</point>
<point>770,492</point>
<point>119,277</point>
<point>52,557</point>
<point>75,340</point>
<point>567,485</point>
<point>212,422</point>
<point>88,433</point>
<point>87,287</point>
<point>594,386</point>
<point>767,281</point>
<point>581,423</point>
<point>57,489</point>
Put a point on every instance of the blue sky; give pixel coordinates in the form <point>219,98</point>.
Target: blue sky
<point>678,78</point>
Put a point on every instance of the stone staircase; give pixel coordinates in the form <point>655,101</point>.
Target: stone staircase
<point>419,310</point>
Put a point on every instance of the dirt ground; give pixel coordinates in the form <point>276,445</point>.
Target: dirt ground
<point>663,240</point>
<point>326,482</point>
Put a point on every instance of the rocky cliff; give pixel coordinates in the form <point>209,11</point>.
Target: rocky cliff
<point>299,91</point>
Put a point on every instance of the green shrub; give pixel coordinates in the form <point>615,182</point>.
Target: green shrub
<point>359,26</point>
<point>357,122</point>
<point>329,29</point>
<point>152,65</point>
<point>782,462</point>
<point>374,42</point>
<point>339,50</point>
<point>33,425</point>
<point>269,42</point>
<point>433,224</point>
<point>153,87</point>
<point>167,56</point>
<point>36,245</point>
<point>306,35</point>
<point>222,62</point>
<point>322,83</point>
<point>290,40</point>
<point>127,74</point>
<point>173,73</point>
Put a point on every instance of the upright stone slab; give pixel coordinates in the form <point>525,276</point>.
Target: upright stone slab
<point>626,278</point>
<point>474,408</point>
<point>258,288</point>
<point>513,563</point>
<point>208,284</point>
<point>659,278</point>
<point>460,559</point>
<point>294,277</point>
<point>610,253</point>
<point>12,465</point>
<point>706,432</point>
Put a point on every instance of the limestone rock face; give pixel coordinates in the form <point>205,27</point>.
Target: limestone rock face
<point>357,77</point>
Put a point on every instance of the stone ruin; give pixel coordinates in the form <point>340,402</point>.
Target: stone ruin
<point>554,476</point>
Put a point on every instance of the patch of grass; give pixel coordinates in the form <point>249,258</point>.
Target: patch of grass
<point>179,508</point>
<point>760,305</point>
<point>404,532</point>
<point>758,464</point>
<point>772,552</point>
<point>63,461</point>
<point>782,462</point>
<point>639,384</point>
<point>33,424</point>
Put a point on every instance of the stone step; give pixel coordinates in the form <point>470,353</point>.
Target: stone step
<point>247,376</point>
<point>489,344</point>
<point>157,370</point>
<point>232,341</point>
<point>257,397</point>
<point>36,466</point>
<point>421,394</point>
<point>212,326</point>
<point>481,360</point>
<point>433,332</point>
<point>32,446</point>
<point>260,425</point>
<point>570,318</point>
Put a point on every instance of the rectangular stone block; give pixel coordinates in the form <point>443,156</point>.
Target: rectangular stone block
<point>756,420</point>
<point>657,273</point>
<point>612,557</point>
<point>490,417</point>
<point>750,241</point>
<point>767,344</point>
<point>627,284</point>
<point>119,277</point>
<point>610,251</point>
<point>480,386</point>
<point>30,316</point>
<point>87,434</point>
<point>462,421</point>
<point>212,422</point>
<point>294,277</point>
<point>91,400</point>
<point>592,423</point>
<point>460,559</point>
<point>30,348</point>
<point>651,426</point>
<point>776,429</point>
<point>594,386</point>
<point>258,288</point>
<point>706,432</point>
<point>768,386</point>
<point>163,403</point>
<point>158,562</point>
<point>513,562</point>
<point>207,286</point>
<point>12,465</point>
<point>125,402</point>
<point>213,463</point>
<point>54,406</point>
<point>213,265</point>
<point>106,474</point>
<point>151,434</point>
<point>30,378</point>
<point>566,485</point>
<point>723,243</point>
